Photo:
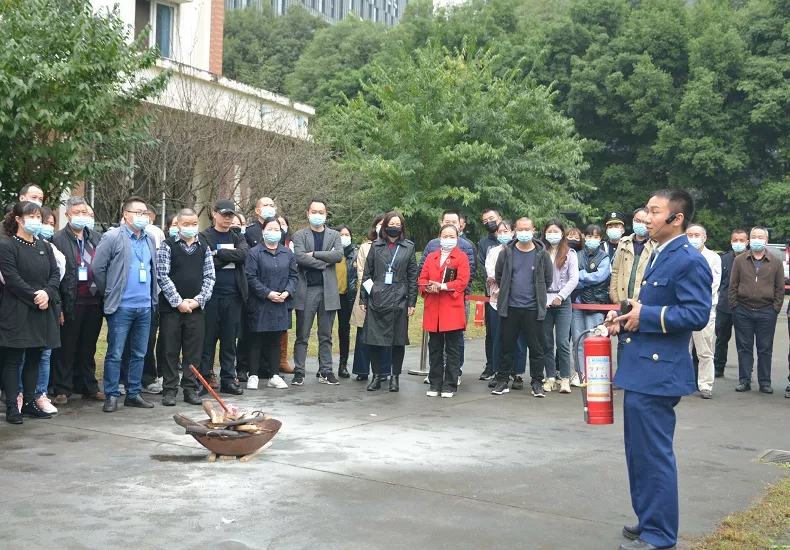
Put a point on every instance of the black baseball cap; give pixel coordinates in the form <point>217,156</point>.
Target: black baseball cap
<point>614,217</point>
<point>225,207</point>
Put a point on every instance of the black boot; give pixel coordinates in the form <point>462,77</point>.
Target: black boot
<point>169,398</point>
<point>395,382</point>
<point>12,414</point>
<point>31,409</point>
<point>342,370</point>
<point>375,383</point>
<point>191,397</point>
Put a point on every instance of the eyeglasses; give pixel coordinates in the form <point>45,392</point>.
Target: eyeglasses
<point>136,212</point>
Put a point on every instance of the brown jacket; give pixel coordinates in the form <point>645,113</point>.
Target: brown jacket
<point>622,265</point>
<point>753,290</point>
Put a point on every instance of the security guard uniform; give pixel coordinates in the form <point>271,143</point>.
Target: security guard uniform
<point>656,371</point>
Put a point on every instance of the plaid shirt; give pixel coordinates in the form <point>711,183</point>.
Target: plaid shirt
<point>167,286</point>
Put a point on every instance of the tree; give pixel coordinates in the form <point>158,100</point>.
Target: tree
<point>440,130</point>
<point>70,86</point>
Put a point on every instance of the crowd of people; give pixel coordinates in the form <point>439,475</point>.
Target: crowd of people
<point>170,299</point>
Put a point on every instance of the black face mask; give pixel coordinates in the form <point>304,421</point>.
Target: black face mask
<point>393,231</point>
<point>575,244</point>
<point>491,226</point>
<point>236,230</point>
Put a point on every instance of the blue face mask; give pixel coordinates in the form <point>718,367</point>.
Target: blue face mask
<point>47,231</point>
<point>140,222</point>
<point>80,222</point>
<point>738,247</point>
<point>173,231</point>
<point>243,230</point>
<point>757,244</point>
<point>272,237</point>
<point>189,232</point>
<point>553,238</point>
<point>32,226</point>
<point>90,224</point>
<point>695,242</point>
<point>268,212</point>
<point>640,229</point>
<point>504,239</point>
<point>592,244</point>
<point>448,244</point>
<point>524,236</point>
<point>317,220</point>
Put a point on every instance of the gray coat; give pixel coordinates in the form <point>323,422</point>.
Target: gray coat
<point>324,259</point>
<point>111,267</point>
<point>544,275</point>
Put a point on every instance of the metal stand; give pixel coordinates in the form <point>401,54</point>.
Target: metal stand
<point>423,370</point>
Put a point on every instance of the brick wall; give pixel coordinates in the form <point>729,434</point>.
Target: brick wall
<point>216,36</point>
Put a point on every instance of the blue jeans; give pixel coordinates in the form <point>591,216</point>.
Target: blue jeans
<point>581,321</point>
<point>519,354</point>
<point>43,373</point>
<point>560,318</point>
<point>124,322</point>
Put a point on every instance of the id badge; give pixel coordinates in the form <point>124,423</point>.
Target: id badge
<point>388,278</point>
<point>143,276</point>
<point>82,274</point>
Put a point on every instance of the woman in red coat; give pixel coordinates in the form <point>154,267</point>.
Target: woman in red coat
<point>444,277</point>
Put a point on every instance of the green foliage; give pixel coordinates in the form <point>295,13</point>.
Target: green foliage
<point>70,87</point>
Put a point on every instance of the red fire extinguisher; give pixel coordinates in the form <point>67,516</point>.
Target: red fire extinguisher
<point>597,391</point>
<point>479,314</point>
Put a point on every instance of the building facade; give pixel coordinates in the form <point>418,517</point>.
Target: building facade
<point>387,12</point>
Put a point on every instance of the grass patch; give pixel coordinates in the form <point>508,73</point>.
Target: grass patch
<point>765,526</point>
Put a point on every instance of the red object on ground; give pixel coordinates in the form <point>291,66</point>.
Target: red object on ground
<point>479,314</point>
<point>598,378</point>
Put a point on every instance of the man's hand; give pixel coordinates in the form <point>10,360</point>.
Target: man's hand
<point>631,319</point>
<point>183,307</point>
<point>363,308</point>
<point>410,311</point>
<point>611,326</point>
<point>193,304</point>
<point>556,302</point>
<point>62,319</point>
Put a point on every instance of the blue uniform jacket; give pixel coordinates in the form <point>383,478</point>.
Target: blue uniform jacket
<point>676,301</point>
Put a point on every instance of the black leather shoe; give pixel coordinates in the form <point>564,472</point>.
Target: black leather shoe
<point>361,377</point>
<point>375,383</point>
<point>232,389</point>
<point>394,383</point>
<point>642,545</point>
<point>719,374</point>
<point>631,532</point>
<point>138,402</point>
<point>12,415</point>
<point>31,409</point>
<point>342,370</point>
<point>110,404</point>
<point>169,398</point>
<point>743,387</point>
<point>191,398</point>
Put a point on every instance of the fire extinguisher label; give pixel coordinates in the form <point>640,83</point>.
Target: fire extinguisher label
<point>598,383</point>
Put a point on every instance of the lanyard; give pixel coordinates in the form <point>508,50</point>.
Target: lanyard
<point>389,267</point>
<point>138,250</point>
<point>81,248</point>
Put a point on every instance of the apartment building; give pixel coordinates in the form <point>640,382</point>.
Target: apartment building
<point>387,12</point>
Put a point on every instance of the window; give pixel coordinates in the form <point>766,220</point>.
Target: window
<point>340,13</point>
<point>331,8</point>
<point>164,25</point>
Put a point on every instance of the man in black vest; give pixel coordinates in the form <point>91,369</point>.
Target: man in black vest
<point>185,271</point>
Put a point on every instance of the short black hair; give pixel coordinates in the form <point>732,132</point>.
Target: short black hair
<point>487,210</point>
<point>27,187</point>
<point>593,229</point>
<point>680,202</point>
<point>739,231</point>
<point>341,227</point>
<point>151,208</point>
<point>309,204</point>
<point>130,200</point>
<point>638,210</point>
<point>451,212</point>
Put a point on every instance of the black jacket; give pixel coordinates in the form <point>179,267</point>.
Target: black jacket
<point>544,275</point>
<point>723,305</point>
<point>65,241</point>
<point>226,256</point>
<point>351,277</point>
<point>254,234</point>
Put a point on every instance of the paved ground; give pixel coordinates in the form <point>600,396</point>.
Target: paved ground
<point>352,469</point>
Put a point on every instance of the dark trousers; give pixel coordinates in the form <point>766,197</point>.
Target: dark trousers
<point>444,354</point>
<point>489,345</point>
<point>12,358</point>
<point>362,358</point>
<point>649,427</point>
<point>344,328</point>
<point>723,335</point>
<point>150,370</point>
<point>520,321</point>
<point>242,346</point>
<point>223,316</point>
<point>377,354</point>
<point>264,353</point>
<point>754,326</point>
<point>180,334</point>
<point>73,366</point>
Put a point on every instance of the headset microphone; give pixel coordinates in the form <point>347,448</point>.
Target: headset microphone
<point>672,217</point>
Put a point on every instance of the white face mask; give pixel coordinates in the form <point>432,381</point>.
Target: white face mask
<point>268,212</point>
<point>345,241</point>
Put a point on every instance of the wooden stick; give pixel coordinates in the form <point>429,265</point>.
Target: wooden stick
<point>247,458</point>
<point>208,387</point>
<point>227,457</point>
<point>212,457</point>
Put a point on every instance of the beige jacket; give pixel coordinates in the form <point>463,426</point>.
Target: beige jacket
<point>357,315</point>
<point>621,269</point>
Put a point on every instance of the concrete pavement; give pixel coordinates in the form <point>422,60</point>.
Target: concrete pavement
<point>352,469</point>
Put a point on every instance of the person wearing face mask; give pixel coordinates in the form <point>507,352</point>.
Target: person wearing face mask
<point>593,288</point>
<point>757,291</point>
<point>28,308</point>
<point>318,251</point>
<point>285,240</point>
<point>739,241</point>
<point>32,193</point>
<point>347,286</point>
<point>629,265</point>
<point>615,228</point>
<point>264,209</point>
<point>74,370</point>
<point>574,238</point>
<point>444,277</point>
<point>565,277</point>
<point>491,220</point>
<point>172,226</point>
<point>388,298</point>
<point>185,271</point>
<point>272,275</point>
<point>361,350</point>
<point>702,340</point>
<point>239,227</point>
<point>124,271</point>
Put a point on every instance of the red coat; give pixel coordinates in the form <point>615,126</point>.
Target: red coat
<point>444,311</point>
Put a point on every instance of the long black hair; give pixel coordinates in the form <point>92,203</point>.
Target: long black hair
<point>20,210</point>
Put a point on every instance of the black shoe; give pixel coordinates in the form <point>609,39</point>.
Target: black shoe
<point>361,377</point>
<point>487,374</point>
<point>31,409</point>
<point>518,383</point>
<point>493,382</point>
<point>631,532</point>
<point>241,376</point>
<point>110,404</point>
<point>202,391</point>
<point>342,370</point>
<point>169,398</point>
<point>231,388</point>
<point>138,402</point>
<point>297,380</point>
<point>329,379</point>
<point>766,389</point>
<point>375,383</point>
<point>537,390</point>
<point>12,414</point>
<point>743,387</point>
<point>395,383</point>
<point>719,374</point>
<point>639,544</point>
<point>501,387</point>
<point>191,398</point>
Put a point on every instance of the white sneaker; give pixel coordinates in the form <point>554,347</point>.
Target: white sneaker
<point>575,382</point>
<point>274,382</point>
<point>252,382</point>
<point>432,393</point>
<point>426,381</point>
<point>459,382</point>
<point>548,384</point>
<point>45,404</point>
<point>447,394</point>
<point>565,386</point>
<point>153,388</point>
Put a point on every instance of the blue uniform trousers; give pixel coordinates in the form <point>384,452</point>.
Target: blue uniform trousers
<point>649,425</point>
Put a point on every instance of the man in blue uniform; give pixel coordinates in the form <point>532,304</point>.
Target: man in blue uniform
<point>656,369</point>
